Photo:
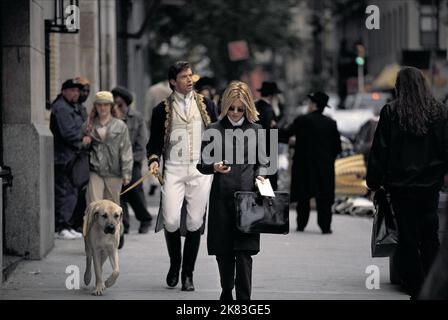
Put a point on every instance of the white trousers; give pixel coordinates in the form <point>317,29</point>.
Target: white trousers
<point>184,181</point>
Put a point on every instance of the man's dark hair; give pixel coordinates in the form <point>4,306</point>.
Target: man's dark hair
<point>177,68</point>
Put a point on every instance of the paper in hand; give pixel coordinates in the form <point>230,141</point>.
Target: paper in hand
<point>265,188</point>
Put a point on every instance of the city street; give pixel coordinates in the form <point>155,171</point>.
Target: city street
<point>297,266</point>
<point>331,100</point>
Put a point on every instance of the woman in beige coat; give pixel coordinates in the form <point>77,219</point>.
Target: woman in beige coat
<point>111,150</point>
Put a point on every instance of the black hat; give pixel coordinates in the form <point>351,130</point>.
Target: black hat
<point>205,82</point>
<point>268,88</point>
<point>71,83</point>
<point>123,93</point>
<point>320,98</point>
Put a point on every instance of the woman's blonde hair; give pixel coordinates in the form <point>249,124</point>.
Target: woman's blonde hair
<point>238,90</point>
<point>94,114</point>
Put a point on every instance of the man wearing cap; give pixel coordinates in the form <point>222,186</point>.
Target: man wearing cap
<point>267,119</point>
<point>65,124</point>
<point>176,135</point>
<point>317,145</point>
<point>138,134</point>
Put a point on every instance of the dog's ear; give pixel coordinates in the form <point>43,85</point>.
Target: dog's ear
<point>121,215</point>
<point>91,215</point>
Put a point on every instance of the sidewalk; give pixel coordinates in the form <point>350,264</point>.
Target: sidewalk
<point>297,266</point>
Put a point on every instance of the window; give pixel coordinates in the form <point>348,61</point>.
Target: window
<point>429,24</point>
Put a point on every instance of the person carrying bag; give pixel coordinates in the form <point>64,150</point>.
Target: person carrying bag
<point>409,158</point>
<point>236,131</point>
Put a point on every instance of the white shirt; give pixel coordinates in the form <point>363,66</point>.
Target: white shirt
<point>102,132</point>
<point>184,100</point>
<point>236,124</point>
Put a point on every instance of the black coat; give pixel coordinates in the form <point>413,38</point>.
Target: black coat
<point>222,235</point>
<point>318,142</point>
<point>403,160</point>
<point>265,118</point>
<point>266,114</point>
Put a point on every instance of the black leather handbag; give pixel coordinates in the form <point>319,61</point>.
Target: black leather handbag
<point>385,230</point>
<point>79,169</point>
<point>258,214</point>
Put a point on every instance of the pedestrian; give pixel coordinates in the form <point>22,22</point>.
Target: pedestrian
<point>80,209</point>
<point>317,144</point>
<point>267,119</point>
<point>231,247</point>
<point>409,159</point>
<point>111,151</point>
<point>182,116</point>
<point>139,137</point>
<point>66,124</point>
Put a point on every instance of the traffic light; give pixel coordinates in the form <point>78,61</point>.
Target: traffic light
<point>360,61</point>
<point>361,53</point>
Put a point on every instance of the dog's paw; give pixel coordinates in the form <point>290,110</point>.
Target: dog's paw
<point>110,281</point>
<point>87,277</point>
<point>98,290</point>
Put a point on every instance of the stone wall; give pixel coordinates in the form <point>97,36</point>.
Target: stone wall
<point>27,141</point>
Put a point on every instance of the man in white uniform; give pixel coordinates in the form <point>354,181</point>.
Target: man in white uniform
<point>177,124</point>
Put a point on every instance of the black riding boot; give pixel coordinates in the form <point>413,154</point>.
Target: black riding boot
<point>173,244</point>
<point>191,248</point>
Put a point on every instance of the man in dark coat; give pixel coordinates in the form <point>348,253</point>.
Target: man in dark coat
<point>65,124</point>
<point>183,113</point>
<point>267,119</point>
<point>316,147</point>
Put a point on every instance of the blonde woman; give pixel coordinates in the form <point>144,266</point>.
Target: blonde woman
<point>231,247</point>
<point>111,150</point>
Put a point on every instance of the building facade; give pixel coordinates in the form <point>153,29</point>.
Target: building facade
<point>34,63</point>
<point>412,32</point>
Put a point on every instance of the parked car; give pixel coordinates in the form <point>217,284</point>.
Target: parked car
<point>349,122</point>
<point>368,100</point>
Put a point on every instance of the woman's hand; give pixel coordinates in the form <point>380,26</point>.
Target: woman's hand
<point>219,167</point>
<point>126,181</point>
<point>261,179</point>
<point>86,140</point>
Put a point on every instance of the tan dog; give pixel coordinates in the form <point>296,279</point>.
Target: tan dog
<point>101,230</point>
